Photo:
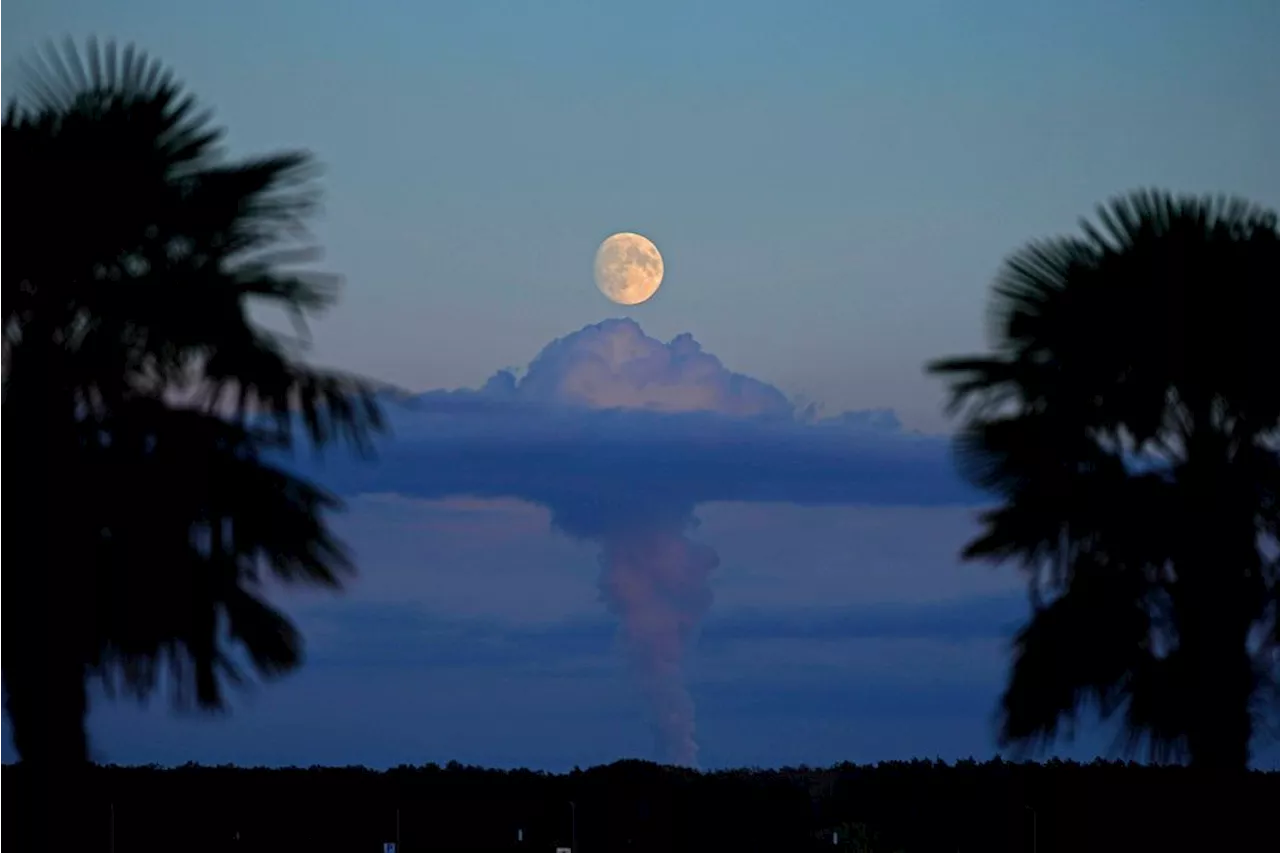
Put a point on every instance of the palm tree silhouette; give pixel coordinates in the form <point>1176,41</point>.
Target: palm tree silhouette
<point>1128,419</point>
<point>142,402</point>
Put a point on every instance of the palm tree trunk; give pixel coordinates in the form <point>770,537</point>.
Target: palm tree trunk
<point>1221,726</point>
<point>1213,637</point>
<point>46,708</point>
<point>1218,602</point>
<point>48,616</point>
<point>46,700</point>
<point>1218,735</point>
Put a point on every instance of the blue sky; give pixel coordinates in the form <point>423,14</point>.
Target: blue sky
<point>832,185</point>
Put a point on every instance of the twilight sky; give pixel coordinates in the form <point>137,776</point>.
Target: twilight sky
<point>832,185</point>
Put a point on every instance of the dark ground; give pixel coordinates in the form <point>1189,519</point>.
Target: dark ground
<point>916,807</point>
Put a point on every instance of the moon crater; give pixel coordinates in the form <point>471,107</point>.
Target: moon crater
<point>628,268</point>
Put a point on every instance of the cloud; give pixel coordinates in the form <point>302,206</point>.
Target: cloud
<point>620,437</point>
<point>615,365</point>
<point>609,423</point>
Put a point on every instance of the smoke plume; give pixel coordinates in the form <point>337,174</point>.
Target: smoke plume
<point>655,581</point>
<point>621,436</point>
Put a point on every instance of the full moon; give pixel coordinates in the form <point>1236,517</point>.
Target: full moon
<point>628,268</point>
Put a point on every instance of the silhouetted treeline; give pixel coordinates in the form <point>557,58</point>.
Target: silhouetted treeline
<point>915,806</point>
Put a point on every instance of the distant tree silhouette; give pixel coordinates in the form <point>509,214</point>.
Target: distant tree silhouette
<point>1129,420</point>
<point>140,399</point>
<point>912,806</point>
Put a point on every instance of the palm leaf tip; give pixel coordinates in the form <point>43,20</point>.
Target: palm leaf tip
<point>59,77</point>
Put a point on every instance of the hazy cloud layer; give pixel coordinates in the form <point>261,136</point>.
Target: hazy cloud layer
<point>397,634</point>
<point>496,560</point>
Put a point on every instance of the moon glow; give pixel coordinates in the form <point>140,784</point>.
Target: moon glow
<point>628,268</point>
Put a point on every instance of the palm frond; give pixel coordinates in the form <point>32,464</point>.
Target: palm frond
<point>125,100</point>
<point>1156,711</point>
<point>1080,649</point>
<point>1031,290</point>
<point>256,380</point>
<point>101,169</point>
<point>1148,214</point>
<point>190,517</point>
<point>183,244</point>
